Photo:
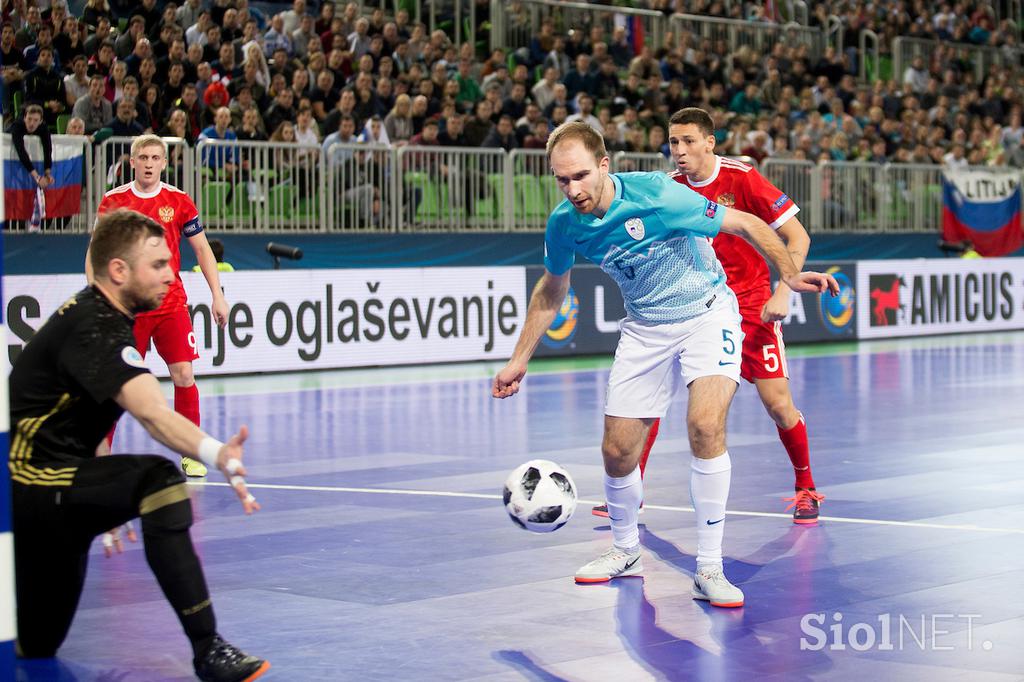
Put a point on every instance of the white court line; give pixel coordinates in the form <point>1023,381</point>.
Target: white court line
<point>485,496</point>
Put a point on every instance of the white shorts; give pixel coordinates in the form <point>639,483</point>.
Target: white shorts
<point>652,361</point>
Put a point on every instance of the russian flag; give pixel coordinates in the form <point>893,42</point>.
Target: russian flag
<point>63,197</point>
<point>983,206</point>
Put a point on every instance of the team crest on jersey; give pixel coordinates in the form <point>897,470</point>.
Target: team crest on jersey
<point>711,210</point>
<point>132,357</point>
<point>726,200</point>
<point>635,228</point>
<point>167,213</point>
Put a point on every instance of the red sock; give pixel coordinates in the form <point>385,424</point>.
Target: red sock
<point>186,402</point>
<point>110,435</point>
<point>651,436</point>
<point>795,442</point>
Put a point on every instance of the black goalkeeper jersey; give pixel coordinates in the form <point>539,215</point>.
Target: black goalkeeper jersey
<point>63,384</point>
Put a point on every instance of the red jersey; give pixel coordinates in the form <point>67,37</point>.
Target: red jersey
<point>175,211</point>
<point>737,185</point>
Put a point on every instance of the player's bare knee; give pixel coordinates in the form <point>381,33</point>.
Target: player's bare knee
<point>164,504</point>
<point>619,460</point>
<point>783,413</point>
<point>181,374</point>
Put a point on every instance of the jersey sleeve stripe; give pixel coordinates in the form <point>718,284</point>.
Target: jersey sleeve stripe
<point>786,215</point>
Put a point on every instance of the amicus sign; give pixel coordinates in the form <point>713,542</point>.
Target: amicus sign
<point>918,297</point>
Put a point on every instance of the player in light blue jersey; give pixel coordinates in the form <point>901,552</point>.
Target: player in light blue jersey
<point>651,235</point>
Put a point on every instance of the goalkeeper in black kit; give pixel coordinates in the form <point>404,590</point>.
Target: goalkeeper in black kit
<point>69,385</point>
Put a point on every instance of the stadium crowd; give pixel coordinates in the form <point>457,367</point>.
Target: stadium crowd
<point>334,73</point>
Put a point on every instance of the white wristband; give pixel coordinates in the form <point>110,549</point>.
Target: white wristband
<point>209,448</point>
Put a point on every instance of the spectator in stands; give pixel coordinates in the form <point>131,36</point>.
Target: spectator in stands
<point>76,83</point>
<point>479,126</point>
<point>557,57</point>
<point>305,33</point>
<point>188,13</point>
<point>124,124</point>
<point>915,77</point>
<point>177,126</point>
<point>222,160</point>
<point>26,34</point>
<point>44,38</point>
<point>148,107</point>
<point>374,132</point>
<point>293,17</point>
<point>189,103</point>
<point>277,38</point>
<point>747,101</point>
<point>95,10</point>
<point>250,128</point>
<point>453,134</point>
<point>359,39</point>
<point>93,108</point>
<point>538,137</point>
<point>502,135</point>
<point>214,98</point>
<point>580,79</point>
<point>69,41</point>
<point>586,112</point>
<point>44,85</point>
<point>345,106</point>
<point>31,123</point>
<point>115,81</point>
<point>281,110</point>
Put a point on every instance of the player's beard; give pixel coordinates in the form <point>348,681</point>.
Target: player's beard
<point>139,301</point>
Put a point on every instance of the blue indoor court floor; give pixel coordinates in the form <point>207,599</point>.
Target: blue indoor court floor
<point>383,553</point>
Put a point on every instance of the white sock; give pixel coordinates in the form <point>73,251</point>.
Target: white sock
<point>709,491</point>
<point>623,496</point>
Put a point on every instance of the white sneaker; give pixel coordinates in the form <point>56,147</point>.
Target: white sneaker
<point>710,584</point>
<point>615,563</point>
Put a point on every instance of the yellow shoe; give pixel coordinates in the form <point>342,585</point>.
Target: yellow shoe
<point>193,468</point>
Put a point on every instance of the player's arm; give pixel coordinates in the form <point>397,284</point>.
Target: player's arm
<point>545,302</point>
<point>771,246</point>
<point>208,264</point>
<point>141,397</point>
<point>798,242</point>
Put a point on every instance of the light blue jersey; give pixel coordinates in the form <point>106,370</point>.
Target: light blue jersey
<point>652,242</point>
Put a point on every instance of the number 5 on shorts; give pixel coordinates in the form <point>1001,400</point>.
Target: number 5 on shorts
<point>729,345</point>
<point>771,357</point>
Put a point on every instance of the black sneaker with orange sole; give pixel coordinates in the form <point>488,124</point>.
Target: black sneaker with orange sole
<point>222,662</point>
<point>805,504</point>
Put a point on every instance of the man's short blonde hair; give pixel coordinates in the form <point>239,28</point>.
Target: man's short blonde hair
<point>147,141</point>
<point>578,130</point>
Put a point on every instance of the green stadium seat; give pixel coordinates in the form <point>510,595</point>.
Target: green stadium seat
<point>215,199</point>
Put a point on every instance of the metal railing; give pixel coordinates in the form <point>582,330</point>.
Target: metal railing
<point>516,22</point>
<point>357,188</point>
<point>260,186</point>
<point>844,196</point>
<point>761,37</point>
<point>451,188</point>
<point>870,56</point>
<point>361,181</point>
<point>983,59</point>
<point>635,161</point>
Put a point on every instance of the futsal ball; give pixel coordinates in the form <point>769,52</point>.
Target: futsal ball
<point>539,496</point>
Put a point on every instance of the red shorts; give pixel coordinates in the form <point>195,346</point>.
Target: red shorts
<point>171,333</point>
<point>764,352</point>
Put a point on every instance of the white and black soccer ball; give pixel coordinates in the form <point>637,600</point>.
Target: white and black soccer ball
<point>539,496</point>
